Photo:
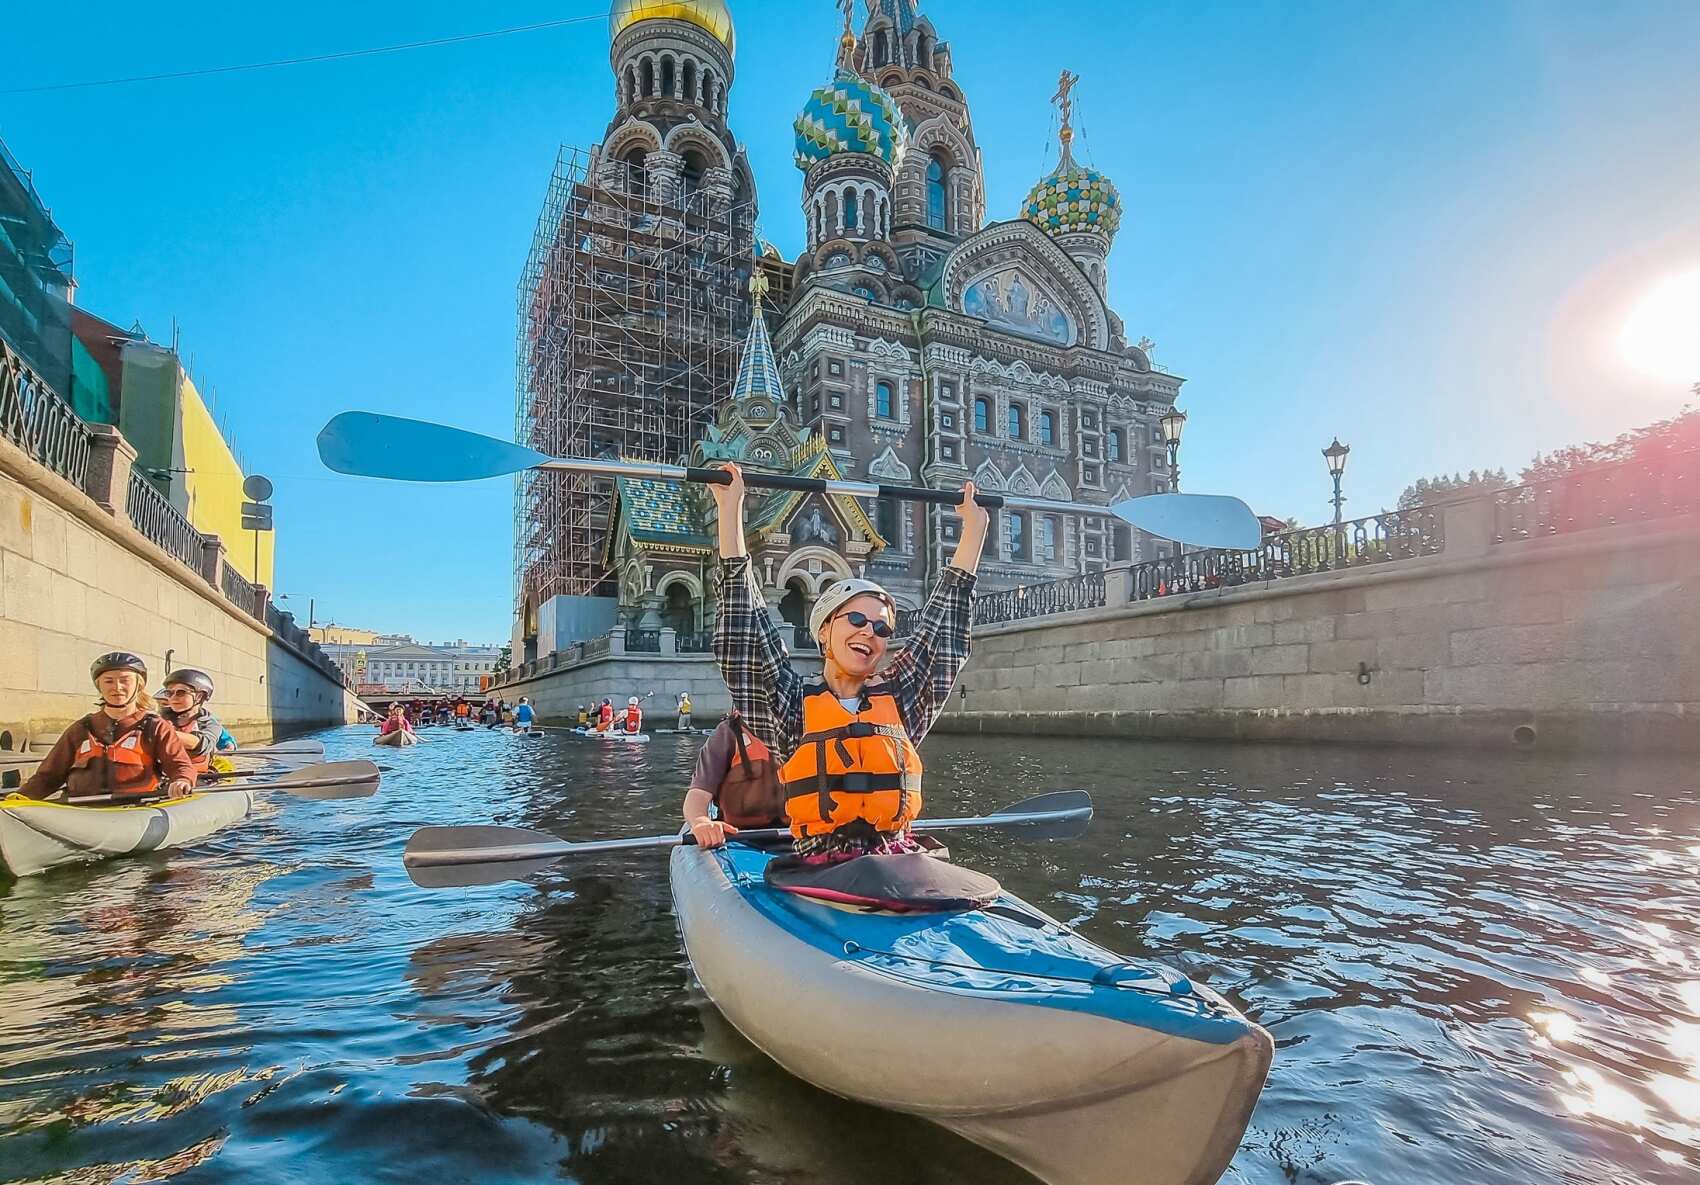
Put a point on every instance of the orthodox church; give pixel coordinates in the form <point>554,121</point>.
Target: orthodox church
<point>915,340</point>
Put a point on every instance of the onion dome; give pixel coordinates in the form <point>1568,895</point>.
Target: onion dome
<point>1074,200</point>
<point>850,115</point>
<point>710,15</point>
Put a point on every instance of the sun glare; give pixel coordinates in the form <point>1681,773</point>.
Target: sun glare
<point>1661,338</point>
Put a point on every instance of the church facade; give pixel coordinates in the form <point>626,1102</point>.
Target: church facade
<point>919,337</point>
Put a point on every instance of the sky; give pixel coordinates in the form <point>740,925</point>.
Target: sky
<point>1420,227</point>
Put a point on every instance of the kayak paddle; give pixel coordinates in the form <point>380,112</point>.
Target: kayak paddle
<point>367,444</point>
<point>333,779</point>
<point>289,752</point>
<point>458,857</point>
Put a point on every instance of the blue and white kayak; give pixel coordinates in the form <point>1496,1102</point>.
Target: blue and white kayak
<point>998,1023</point>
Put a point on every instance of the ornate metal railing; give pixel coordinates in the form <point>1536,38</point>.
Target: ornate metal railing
<point>237,587</point>
<point>597,647</point>
<point>1359,543</point>
<point>1658,485</point>
<point>698,643</point>
<point>643,641</point>
<point>1085,591</point>
<point>34,418</point>
<point>155,517</point>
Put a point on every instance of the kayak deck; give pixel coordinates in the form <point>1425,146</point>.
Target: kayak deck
<point>36,836</point>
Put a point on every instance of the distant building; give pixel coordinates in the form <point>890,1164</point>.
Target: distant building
<point>331,633</point>
<point>416,667</point>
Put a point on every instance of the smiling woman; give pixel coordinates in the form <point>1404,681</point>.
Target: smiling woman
<point>1661,338</point>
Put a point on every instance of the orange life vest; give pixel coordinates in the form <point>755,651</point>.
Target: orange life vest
<point>131,767</point>
<point>851,768</point>
<point>605,715</point>
<point>634,718</point>
<point>750,796</point>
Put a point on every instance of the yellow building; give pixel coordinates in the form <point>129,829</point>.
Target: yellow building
<point>346,635</point>
<point>181,450</point>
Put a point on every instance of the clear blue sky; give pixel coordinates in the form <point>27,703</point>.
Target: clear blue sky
<point>1417,225</point>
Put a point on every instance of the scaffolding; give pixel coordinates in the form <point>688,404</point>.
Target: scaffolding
<point>632,309</point>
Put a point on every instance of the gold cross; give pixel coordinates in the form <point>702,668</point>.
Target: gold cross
<point>1065,85</point>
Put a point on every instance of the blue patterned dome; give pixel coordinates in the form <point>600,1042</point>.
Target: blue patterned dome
<point>850,115</point>
<point>1074,200</point>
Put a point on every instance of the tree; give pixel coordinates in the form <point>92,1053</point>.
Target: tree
<point>1680,433</point>
<point>504,658</point>
<point>1428,491</point>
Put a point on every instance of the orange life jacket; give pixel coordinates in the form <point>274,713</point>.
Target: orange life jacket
<point>851,768</point>
<point>750,796</point>
<point>605,715</point>
<point>634,719</point>
<point>125,767</point>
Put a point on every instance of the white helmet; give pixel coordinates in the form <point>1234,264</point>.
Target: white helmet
<point>841,593</point>
<point>632,703</point>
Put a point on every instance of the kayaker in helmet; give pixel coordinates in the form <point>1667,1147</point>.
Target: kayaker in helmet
<point>735,773</point>
<point>183,705</point>
<point>523,715</point>
<point>684,711</point>
<point>123,751</point>
<point>634,715</point>
<point>847,744</point>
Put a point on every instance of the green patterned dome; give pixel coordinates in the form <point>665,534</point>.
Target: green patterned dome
<point>1074,200</point>
<point>850,115</point>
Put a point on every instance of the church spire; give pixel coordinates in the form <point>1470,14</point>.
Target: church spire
<point>758,372</point>
<point>1064,99</point>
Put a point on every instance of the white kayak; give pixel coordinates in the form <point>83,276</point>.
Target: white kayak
<point>399,739</point>
<point>997,1023</point>
<point>36,836</point>
<point>630,738</point>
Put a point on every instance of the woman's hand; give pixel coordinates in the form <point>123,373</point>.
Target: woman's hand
<point>729,501</point>
<point>975,522</point>
<point>179,789</point>
<point>711,833</point>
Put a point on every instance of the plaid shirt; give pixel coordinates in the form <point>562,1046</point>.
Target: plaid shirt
<point>754,660</point>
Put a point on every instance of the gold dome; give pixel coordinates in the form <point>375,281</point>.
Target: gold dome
<point>712,15</point>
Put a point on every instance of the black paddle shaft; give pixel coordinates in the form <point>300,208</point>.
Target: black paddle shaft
<point>819,485</point>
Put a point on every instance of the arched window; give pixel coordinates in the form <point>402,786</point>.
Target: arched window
<point>695,166</point>
<point>870,212</point>
<point>668,77</point>
<point>850,211</point>
<point>1017,422</point>
<point>631,84</point>
<point>1118,446</point>
<point>1047,527</point>
<point>937,216</point>
<point>882,49</point>
<point>924,52</point>
<point>690,80</point>
<point>882,401</point>
<point>1017,536</point>
<point>709,99</point>
<point>637,179</point>
<point>648,78</point>
<point>1048,428</point>
<point>983,415</point>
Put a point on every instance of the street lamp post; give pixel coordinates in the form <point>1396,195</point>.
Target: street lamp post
<point>1336,454</point>
<point>311,604</point>
<point>1172,424</point>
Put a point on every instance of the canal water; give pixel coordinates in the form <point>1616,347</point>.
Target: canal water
<point>1476,968</point>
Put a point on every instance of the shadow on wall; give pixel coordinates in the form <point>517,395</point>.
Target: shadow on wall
<point>299,697</point>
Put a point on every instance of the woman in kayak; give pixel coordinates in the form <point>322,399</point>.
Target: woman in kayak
<point>847,744</point>
<point>183,705</point>
<point>736,775</point>
<point>395,722</point>
<point>123,751</point>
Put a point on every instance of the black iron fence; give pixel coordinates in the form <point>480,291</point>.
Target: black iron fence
<point>33,417</point>
<point>697,643</point>
<point>1659,484</point>
<point>1085,591</point>
<point>643,641</point>
<point>163,524</point>
<point>1359,543</point>
<point>237,587</point>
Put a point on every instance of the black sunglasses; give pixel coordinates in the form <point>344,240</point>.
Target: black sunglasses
<point>859,619</point>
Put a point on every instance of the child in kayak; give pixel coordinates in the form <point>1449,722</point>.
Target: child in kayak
<point>183,705</point>
<point>684,711</point>
<point>734,774</point>
<point>846,744</point>
<point>583,716</point>
<point>605,716</point>
<point>121,753</point>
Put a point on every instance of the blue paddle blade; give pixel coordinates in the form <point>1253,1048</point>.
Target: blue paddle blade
<point>1198,520</point>
<point>370,445</point>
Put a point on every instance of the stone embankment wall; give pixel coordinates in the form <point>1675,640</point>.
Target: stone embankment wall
<point>1578,641</point>
<point>76,581</point>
